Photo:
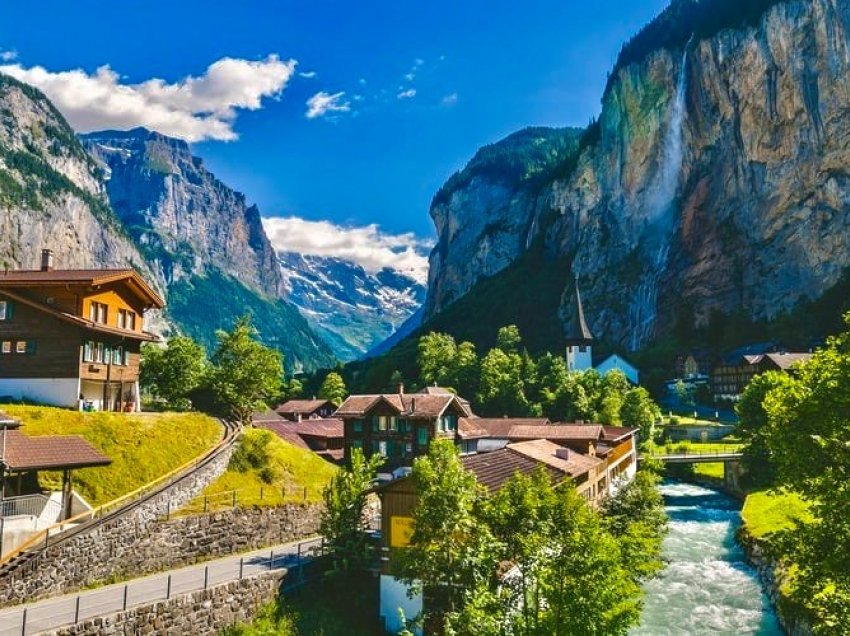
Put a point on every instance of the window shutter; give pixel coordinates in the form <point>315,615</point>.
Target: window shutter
<point>10,310</point>
<point>30,347</point>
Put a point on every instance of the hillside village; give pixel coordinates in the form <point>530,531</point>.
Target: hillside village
<point>606,395</point>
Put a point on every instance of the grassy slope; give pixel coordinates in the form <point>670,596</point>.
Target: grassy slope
<point>766,512</point>
<point>142,447</point>
<point>292,471</point>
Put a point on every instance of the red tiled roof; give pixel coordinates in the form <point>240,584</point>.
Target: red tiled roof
<point>467,428</point>
<point>28,278</point>
<point>501,427</point>
<point>492,470</point>
<point>265,416</point>
<point>284,431</point>
<point>49,452</point>
<point>325,428</point>
<point>616,433</point>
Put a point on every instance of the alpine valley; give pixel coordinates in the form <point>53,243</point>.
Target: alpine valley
<point>139,198</point>
<point>716,173</point>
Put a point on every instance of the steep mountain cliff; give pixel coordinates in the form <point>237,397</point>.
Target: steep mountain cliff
<point>206,245</point>
<point>352,309</point>
<point>715,181</point>
<point>51,193</point>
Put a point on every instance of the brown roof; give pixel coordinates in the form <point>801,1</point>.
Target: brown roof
<point>786,360</point>
<point>326,428</point>
<point>501,427</point>
<point>435,390</point>
<point>49,452</point>
<point>285,431</point>
<point>79,321</point>
<point>302,406</point>
<point>542,450</point>
<point>29,278</point>
<point>616,433</point>
<point>467,428</point>
<point>265,416</point>
<point>492,470</point>
<point>415,405</point>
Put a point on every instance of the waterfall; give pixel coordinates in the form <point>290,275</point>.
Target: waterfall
<point>660,212</point>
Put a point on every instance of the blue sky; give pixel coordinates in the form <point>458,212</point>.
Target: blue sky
<point>480,70</point>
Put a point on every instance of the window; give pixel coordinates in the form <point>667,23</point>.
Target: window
<point>422,436</point>
<point>5,310</point>
<point>21,346</point>
<point>379,423</point>
<point>98,352</point>
<point>6,347</point>
<point>393,423</point>
<point>126,358</point>
<point>118,355</point>
<point>98,312</point>
<point>357,426</point>
<point>88,351</point>
<point>126,319</point>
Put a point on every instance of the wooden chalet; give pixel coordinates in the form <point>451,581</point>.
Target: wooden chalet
<point>297,410</point>
<point>72,338</point>
<point>735,371</point>
<point>399,426</point>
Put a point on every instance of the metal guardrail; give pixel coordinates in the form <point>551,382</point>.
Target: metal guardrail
<point>29,505</point>
<point>70,610</point>
<point>91,518</point>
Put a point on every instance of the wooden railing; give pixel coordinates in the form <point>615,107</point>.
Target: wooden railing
<point>43,536</point>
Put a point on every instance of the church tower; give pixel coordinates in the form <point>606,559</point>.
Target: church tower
<point>579,338</point>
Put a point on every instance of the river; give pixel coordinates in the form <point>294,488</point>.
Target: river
<point>707,587</point>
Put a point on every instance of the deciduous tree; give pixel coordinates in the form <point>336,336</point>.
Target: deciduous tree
<point>173,372</point>
<point>333,388</point>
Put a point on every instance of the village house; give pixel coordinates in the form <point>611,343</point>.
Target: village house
<point>72,338</point>
<point>400,426</point>
<point>323,436</point>
<point>735,371</point>
<point>492,470</point>
<point>297,410</point>
<point>24,507</point>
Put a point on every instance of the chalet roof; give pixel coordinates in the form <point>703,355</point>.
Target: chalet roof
<point>543,450</point>
<point>412,405</point>
<point>580,333</point>
<point>304,407</point>
<point>500,427</point>
<point>265,416</point>
<point>492,470</point>
<point>560,432</point>
<point>467,428</point>
<point>326,428</point>
<point>285,431</point>
<point>79,321</point>
<point>616,433</point>
<point>786,360</point>
<point>48,452</point>
<point>435,390</point>
<point>89,277</point>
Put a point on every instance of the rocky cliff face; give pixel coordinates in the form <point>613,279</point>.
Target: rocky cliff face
<point>352,309</point>
<point>715,180</point>
<point>184,219</point>
<point>51,194</point>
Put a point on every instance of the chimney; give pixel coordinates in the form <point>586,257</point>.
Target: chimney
<point>401,388</point>
<point>591,449</point>
<point>413,405</point>
<point>46,260</point>
<point>562,453</point>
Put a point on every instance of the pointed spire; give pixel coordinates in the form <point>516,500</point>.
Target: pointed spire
<point>580,333</point>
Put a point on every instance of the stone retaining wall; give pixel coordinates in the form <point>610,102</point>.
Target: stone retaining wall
<point>186,540</point>
<point>105,551</point>
<point>203,612</point>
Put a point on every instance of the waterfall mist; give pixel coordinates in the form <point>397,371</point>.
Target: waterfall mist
<point>660,218</point>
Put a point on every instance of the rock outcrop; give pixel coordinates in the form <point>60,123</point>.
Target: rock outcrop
<point>741,204</point>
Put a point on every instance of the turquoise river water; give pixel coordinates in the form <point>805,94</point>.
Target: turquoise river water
<point>707,587</point>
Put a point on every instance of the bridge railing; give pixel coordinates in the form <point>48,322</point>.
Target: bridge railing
<point>662,453</point>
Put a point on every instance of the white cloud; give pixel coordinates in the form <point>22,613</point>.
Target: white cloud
<point>408,94</point>
<point>323,103</point>
<point>410,77</point>
<point>194,108</point>
<point>308,74</point>
<point>367,246</point>
<point>8,56</point>
<point>449,100</point>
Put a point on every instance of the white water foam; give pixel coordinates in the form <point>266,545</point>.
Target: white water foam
<point>706,588</point>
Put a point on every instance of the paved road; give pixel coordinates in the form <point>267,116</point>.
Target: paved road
<point>63,610</point>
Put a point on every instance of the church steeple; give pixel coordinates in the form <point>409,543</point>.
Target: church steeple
<point>580,333</point>
<point>579,339</point>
